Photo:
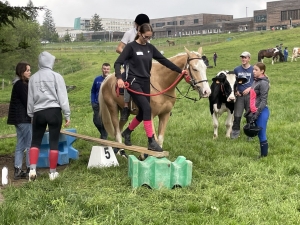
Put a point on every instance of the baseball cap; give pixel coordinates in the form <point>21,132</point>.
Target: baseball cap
<point>245,54</point>
<point>141,18</point>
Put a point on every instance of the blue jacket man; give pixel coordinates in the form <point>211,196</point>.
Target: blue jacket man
<point>94,99</point>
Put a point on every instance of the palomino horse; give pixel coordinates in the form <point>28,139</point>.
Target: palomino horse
<point>161,105</point>
<point>171,42</point>
<point>270,53</point>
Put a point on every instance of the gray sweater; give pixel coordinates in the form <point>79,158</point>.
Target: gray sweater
<point>47,89</point>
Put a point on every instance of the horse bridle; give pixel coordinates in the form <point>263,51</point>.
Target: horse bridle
<point>190,78</point>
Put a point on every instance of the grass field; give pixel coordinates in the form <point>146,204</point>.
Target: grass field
<point>229,185</point>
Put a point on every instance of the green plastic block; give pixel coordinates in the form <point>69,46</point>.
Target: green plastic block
<point>160,172</point>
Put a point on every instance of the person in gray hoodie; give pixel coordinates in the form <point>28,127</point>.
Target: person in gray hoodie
<point>47,101</point>
<point>258,108</point>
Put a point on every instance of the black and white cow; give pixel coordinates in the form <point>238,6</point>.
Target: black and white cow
<point>222,99</point>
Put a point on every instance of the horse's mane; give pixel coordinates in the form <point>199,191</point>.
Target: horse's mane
<point>181,54</point>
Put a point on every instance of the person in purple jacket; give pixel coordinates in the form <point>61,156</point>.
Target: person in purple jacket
<point>138,55</point>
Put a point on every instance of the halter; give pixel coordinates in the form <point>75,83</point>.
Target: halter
<point>190,78</point>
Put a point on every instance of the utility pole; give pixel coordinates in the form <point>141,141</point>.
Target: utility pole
<point>246,11</point>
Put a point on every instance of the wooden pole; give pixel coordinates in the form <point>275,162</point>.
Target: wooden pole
<point>107,143</point>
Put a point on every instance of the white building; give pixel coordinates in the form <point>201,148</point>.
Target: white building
<point>108,24</point>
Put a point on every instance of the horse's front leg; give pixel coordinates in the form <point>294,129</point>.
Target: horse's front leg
<point>229,123</point>
<point>162,125</point>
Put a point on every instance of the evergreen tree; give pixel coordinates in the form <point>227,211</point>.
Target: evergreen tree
<point>96,24</point>
<point>67,37</point>
<point>33,13</point>
<point>48,28</point>
<point>8,14</point>
<point>81,37</point>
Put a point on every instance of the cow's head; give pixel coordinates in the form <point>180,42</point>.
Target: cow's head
<point>227,79</point>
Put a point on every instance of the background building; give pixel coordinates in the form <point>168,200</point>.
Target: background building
<point>108,24</point>
<point>278,15</point>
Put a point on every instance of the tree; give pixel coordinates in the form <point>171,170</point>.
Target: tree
<point>8,14</point>
<point>96,24</point>
<point>33,13</point>
<point>48,28</point>
<point>19,43</point>
<point>81,37</point>
<point>67,37</point>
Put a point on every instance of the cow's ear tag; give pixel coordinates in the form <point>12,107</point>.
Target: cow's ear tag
<point>217,82</point>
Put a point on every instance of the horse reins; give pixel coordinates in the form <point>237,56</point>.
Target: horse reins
<point>188,78</point>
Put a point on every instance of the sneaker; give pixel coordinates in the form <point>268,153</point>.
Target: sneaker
<point>53,176</point>
<point>125,114</point>
<point>234,134</point>
<point>19,174</point>
<point>32,175</point>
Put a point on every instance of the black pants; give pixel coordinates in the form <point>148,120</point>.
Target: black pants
<point>98,122</point>
<point>143,102</point>
<point>51,117</point>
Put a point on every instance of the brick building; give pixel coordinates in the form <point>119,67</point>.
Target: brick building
<point>278,15</point>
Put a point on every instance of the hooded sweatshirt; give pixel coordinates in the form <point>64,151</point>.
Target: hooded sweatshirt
<point>259,94</point>
<point>47,89</point>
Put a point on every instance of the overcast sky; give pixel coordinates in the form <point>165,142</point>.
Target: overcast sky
<point>65,11</point>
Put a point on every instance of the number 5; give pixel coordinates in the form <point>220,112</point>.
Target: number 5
<point>107,154</point>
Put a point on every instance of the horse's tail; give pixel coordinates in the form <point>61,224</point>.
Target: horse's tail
<point>259,57</point>
<point>104,112</point>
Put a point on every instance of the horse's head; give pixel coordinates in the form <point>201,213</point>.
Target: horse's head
<point>197,72</point>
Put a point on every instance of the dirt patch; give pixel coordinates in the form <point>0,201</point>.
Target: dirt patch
<point>8,161</point>
<point>4,110</point>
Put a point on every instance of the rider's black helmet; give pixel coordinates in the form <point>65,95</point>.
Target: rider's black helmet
<point>251,130</point>
<point>141,18</point>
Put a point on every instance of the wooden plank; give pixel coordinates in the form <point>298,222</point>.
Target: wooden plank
<point>108,143</point>
<point>117,145</point>
<point>8,136</point>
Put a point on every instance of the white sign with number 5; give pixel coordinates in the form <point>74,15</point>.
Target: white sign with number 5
<point>102,156</point>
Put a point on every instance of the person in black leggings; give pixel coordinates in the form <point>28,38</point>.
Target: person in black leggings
<point>47,100</point>
<point>138,55</point>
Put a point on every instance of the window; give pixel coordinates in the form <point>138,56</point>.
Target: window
<point>181,22</point>
<point>160,24</point>
<point>260,19</point>
<point>290,14</point>
<point>196,20</point>
<point>172,23</point>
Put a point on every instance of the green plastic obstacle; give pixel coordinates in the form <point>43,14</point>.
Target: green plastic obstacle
<point>160,172</point>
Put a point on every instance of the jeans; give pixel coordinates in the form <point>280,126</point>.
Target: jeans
<point>97,121</point>
<point>24,132</point>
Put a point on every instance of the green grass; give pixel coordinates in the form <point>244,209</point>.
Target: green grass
<point>229,186</point>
